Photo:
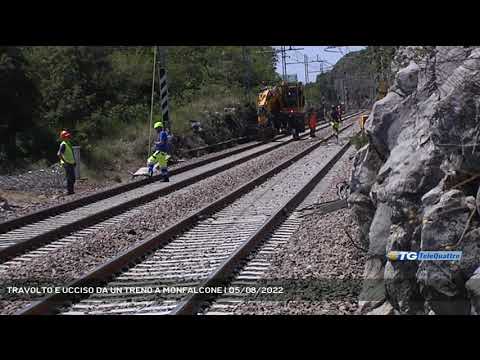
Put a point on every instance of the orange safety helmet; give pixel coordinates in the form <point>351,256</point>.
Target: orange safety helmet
<point>65,135</point>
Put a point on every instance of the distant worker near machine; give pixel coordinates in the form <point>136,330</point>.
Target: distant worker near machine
<point>159,159</point>
<point>363,120</point>
<point>196,126</point>
<point>263,86</point>
<point>67,159</point>
<point>335,121</point>
<point>340,111</point>
<point>312,122</point>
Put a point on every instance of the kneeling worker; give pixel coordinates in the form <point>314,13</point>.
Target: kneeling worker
<point>67,159</point>
<point>159,159</point>
<point>160,156</point>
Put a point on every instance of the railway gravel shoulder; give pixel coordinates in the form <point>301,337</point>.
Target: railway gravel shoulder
<point>66,263</point>
<point>307,255</point>
<point>196,254</point>
<point>45,203</point>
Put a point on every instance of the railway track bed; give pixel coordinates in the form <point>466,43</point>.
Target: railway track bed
<point>309,257</point>
<point>90,218</point>
<point>210,159</point>
<point>197,250</point>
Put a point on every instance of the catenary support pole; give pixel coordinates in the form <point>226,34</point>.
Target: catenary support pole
<point>151,102</point>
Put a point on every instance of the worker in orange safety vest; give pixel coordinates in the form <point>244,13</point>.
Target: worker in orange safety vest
<point>312,122</point>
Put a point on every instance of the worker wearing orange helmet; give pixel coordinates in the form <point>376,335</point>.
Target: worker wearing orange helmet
<point>67,159</point>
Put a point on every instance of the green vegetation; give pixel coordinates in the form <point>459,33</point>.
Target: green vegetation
<point>102,95</point>
<point>359,140</point>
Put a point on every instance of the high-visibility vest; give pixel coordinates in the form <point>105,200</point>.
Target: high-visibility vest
<point>68,154</point>
<point>335,125</point>
<point>160,158</point>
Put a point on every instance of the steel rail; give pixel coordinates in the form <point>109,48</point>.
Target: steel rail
<point>104,272</point>
<point>53,210</point>
<point>225,271</point>
<point>43,238</point>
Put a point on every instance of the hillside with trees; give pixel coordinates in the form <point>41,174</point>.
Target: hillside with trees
<point>102,95</point>
<point>358,78</point>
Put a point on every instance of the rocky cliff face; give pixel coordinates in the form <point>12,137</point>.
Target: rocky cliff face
<point>413,186</point>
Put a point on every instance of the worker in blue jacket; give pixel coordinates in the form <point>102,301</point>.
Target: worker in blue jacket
<point>160,156</point>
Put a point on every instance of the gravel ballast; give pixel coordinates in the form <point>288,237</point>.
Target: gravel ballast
<point>67,263</point>
<point>23,201</point>
<point>19,199</point>
<point>196,256</point>
<point>319,256</point>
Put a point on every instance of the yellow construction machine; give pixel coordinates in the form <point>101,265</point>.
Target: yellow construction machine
<point>281,108</point>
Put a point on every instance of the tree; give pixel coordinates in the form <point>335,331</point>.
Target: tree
<point>356,78</point>
<point>18,96</point>
<point>101,91</point>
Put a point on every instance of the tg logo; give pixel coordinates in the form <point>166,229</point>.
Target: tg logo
<point>402,255</point>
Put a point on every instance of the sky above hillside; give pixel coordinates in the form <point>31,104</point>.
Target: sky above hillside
<point>331,56</point>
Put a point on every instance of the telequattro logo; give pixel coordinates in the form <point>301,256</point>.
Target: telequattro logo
<point>424,255</point>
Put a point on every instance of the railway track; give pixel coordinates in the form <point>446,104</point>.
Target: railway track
<point>203,249</point>
<point>67,222</point>
<point>252,273</point>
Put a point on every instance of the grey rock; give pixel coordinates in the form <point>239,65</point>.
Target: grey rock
<point>366,164</point>
<point>457,115</point>
<point>365,167</point>
<point>401,287</point>
<point>442,283</point>
<point>405,55</point>
<point>478,201</point>
<point>409,171</point>
<point>444,222</point>
<point>385,309</point>
<point>448,59</point>
<point>363,211</point>
<point>443,287</point>
<point>407,79</point>
<point>432,197</point>
<point>426,134</point>
<point>470,248</point>
<point>4,205</point>
<point>404,237</point>
<point>380,230</point>
<point>473,288</point>
<point>378,124</point>
<point>373,289</point>
<point>470,202</point>
<point>400,282</point>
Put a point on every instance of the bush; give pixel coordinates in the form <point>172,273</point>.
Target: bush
<point>208,108</point>
<point>102,95</point>
<point>100,157</point>
<point>359,140</point>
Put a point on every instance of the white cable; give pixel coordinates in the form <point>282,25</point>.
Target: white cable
<point>151,103</point>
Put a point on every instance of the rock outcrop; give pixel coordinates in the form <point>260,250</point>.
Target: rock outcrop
<point>414,186</point>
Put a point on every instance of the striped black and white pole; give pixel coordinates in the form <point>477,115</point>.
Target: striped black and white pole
<point>162,76</point>
<point>164,97</point>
